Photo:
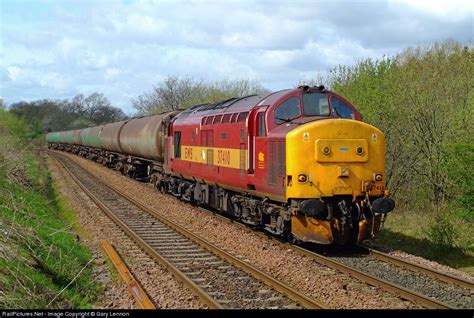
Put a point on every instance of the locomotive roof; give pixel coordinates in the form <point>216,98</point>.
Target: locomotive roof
<point>231,105</point>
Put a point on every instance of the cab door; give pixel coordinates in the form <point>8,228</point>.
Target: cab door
<point>258,149</point>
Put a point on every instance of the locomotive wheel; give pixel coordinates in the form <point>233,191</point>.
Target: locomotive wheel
<point>293,240</point>
<point>163,188</point>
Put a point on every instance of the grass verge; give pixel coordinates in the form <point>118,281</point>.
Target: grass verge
<point>42,262</point>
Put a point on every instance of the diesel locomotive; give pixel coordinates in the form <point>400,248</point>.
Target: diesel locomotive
<point>299,163</point>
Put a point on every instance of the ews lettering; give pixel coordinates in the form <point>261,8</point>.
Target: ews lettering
<point>188,153</point>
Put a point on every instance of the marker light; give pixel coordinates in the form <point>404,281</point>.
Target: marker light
<point>377,177</point>
<point>343,171</point>
<point>326,150</point>
<point>360,150</point>
<point>302,178</point>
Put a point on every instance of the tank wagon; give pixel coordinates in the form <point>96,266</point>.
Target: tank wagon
<point>112,151</point>
<point>53,139</point>
<point>299,163</point>
<point>90,142</point>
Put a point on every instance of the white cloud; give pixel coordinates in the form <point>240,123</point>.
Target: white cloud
<point>13,72</point>
<point>453,10</point>
<point>67,44</point>
<point>124,48</point>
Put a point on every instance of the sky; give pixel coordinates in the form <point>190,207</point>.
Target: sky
<point>60,48</point>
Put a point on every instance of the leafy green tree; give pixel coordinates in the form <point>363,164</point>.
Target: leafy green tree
<point>422,100</point>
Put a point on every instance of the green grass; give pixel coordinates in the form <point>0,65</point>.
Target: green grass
<point>39,251</point>
<point>410,232</point>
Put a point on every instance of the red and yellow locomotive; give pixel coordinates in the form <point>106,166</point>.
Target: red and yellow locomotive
<point>299,163</point>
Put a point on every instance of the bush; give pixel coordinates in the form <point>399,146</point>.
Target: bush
<point>443,231</point>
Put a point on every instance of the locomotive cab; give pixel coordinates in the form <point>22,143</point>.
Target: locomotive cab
<point>334,167</point>
<point>335,181</point>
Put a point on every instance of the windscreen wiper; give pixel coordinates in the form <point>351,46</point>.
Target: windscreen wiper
<point>285,120</point>
<point>337,113</point>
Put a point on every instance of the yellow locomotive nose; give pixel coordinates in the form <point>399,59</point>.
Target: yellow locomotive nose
<point>344,161</point>
<point>338,155</point>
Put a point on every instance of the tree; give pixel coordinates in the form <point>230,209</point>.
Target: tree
<point>423,100</point>
<point>79,112</point>
<point>180,93</point>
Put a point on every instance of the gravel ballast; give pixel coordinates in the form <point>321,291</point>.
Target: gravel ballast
<point>301,272</point>
<point>452,295</point>
<point>93,226</point>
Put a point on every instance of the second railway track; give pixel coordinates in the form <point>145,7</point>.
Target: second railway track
<point>426,287</point>
<point>423,286</point>
<point>218,278</point>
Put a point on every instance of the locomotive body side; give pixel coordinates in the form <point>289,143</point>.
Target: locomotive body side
<point>276,174</point>
<point>211,144</point>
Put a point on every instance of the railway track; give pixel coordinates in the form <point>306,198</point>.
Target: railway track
<point>411,281</point>
<point>216,277</point>
<point>422,285</point>
<point>445,277</point>
<point>380,269</point>
<point>447,290</point>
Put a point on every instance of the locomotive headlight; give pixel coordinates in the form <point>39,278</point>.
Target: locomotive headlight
<point>378,177</point>
<point>359,150</point>
<point>343,171</point>
<point>302,178</point>
<point>326,150</point>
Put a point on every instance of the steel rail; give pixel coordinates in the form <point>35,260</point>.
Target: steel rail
<point>366,278</point>
<point>260,275</point>
<point>407,264</point>
<point>205,298</point>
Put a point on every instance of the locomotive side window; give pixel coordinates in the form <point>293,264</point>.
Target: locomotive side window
<point>217,119</point>
<point>340,109</point>
<point>209,120</point>
<point>177,144</point>
<point>242,117</point>
<point>261,124</point>
<point>288,110</point>
<point>315,104</point>
<point>226,118</point>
